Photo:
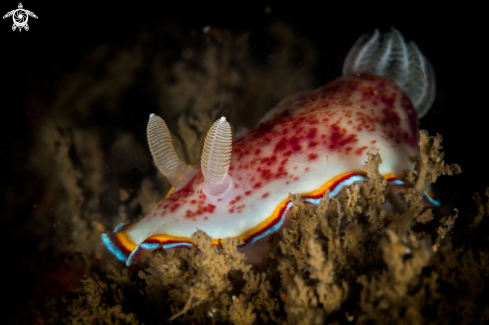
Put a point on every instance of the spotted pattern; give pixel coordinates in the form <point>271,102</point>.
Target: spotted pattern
<point>338,122</point>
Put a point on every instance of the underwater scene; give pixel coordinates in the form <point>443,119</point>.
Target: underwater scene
<point>243,164</point>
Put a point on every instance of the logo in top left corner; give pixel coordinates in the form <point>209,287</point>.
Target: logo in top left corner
<point>20,17</point>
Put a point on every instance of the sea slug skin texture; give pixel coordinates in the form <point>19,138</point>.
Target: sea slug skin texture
<point>309,143</point>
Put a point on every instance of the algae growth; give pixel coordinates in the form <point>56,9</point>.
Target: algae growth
<point>344,260</point>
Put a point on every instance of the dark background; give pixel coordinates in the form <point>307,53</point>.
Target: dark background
<point>453,38</point>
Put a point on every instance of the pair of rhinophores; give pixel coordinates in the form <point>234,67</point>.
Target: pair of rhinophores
<point>310,142</point>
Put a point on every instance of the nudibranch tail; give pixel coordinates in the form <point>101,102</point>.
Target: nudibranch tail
<point>216,158</point>
<point>164,155</point>
<point>121,244</point>
<point>389,56</point>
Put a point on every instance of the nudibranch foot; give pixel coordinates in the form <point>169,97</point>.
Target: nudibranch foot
<point>121,245</point>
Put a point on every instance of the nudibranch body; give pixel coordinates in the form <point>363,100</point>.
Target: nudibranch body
<point>311,142</point>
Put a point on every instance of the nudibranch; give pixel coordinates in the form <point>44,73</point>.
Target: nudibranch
<point>309,143</point>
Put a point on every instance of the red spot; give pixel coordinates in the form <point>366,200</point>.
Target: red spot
<point>374,141</point>
<point>189,214</point>
<point>283,162</point>
<point>201,209</point>
<point>211,208</point>
<point>235,186</point>
<point>247,192</point>
<point>391,118</point>
<point>174,207</point>
<point>239,208</point>
<point>257,151</point>
<point>306,169</point>
<point>266,174</point>
<point>360,151</point>
<point>281,172</point>
<point>292,144</point>
<point>257,185</point>
<point>205,218</point>
<point>287,183</point>
<point>388,101</point>
<point>193,201</point>
<point>312,156</point>
<point>231,210</point>
<point>312,133</point>
<point>264,195</point>
<point>296,178</point>
<point>269,160</point>
<point>405,137</point>
<point>312,144</point>
<point>281,145</point>
<point>339,138</point>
